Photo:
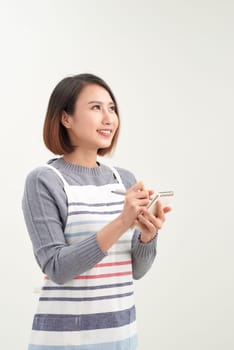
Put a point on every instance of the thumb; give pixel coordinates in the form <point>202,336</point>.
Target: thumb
<point>167,209</point>
<point>139,186</point>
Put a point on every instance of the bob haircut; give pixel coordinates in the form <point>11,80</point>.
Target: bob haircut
<point>63,98</point>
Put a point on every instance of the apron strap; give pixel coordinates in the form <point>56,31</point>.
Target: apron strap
<point>116,173</point>
<point>58,173</point>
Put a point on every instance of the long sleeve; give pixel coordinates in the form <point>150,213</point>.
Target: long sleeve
<point>45,224</point>
<point>143,255</point>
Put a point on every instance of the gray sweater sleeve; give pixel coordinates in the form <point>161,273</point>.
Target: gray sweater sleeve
<point>44,207</point>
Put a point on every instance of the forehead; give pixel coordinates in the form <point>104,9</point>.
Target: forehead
<point>94,92</point>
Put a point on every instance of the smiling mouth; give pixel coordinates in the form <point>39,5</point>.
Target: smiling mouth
<point>105,132</point>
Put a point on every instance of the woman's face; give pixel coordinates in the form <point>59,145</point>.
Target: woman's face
<point>94,122</point>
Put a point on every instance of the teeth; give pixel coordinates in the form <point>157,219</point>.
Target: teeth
<point>105,131</point>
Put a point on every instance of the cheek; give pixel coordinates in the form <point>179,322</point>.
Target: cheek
<point>117,122</point>
<point>82,124</point>
<point>88,128</point>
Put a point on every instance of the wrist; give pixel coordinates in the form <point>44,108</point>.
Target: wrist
<point>124,222</point>
<point>146,238</point>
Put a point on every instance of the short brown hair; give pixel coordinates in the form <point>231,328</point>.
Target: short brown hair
<point>63,98</point>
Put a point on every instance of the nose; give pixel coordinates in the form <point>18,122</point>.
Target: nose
<point>107,117</point>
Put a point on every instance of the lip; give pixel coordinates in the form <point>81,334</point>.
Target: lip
<point>105,132</point>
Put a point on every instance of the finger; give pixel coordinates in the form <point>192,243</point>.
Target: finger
<point>167,209</point>
<point>155,220</point>
<point>142,225</point>
<point>139,186</point>
<point>143,202</point>
<point>142,194</point>
<point>138,191</point>
<point>146,223</point>
<point>159,223</point>
<point>159,211</point>
<point>149,216</point>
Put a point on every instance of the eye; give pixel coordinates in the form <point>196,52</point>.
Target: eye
<point>113,108</point>
<point>96,106</point>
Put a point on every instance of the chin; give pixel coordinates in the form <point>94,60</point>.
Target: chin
<point>104,145</point>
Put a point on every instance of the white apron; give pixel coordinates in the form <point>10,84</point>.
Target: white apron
<point>95,310</point>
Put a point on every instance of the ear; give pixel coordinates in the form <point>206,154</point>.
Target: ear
<point>66,120</point>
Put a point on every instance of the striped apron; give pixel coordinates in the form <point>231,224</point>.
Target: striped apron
<point>95,310</point>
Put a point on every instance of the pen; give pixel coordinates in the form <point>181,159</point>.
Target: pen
<point>162,194</point>
<point>123,193</point>
<point>119,192</point>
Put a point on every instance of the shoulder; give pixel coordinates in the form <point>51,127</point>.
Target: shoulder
<point>42,175</point>
<point>127,177</point>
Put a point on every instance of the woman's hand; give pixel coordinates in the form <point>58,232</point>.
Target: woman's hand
<point>136,199</point>
<point>149,223</point>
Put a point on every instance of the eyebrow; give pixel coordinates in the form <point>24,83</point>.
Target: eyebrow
<point>110,103</point>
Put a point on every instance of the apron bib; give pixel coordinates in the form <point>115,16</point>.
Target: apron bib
<point>95,310</point>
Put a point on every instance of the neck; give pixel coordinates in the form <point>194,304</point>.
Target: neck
<point>79,157</point>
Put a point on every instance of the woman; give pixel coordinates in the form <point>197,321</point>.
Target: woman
<point>89,241</point>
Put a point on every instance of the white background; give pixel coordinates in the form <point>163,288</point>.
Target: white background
<point>170,65</point>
